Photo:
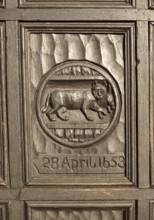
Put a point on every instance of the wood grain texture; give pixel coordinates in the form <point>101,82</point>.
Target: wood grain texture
<point>11,4</point>
<point>143,118</point>
<point>82,14</point>
<point>13,105</point>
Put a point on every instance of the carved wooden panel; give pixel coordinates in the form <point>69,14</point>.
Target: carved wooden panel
<point>78,3</point>
<point>3,127</point>
<point>81,211</point>
<point>79,103</point>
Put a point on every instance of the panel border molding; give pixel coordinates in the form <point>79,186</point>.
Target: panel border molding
<point>128,206</point>
<point>151,53</point>
<point>77,4</point>
<point>3,120</point>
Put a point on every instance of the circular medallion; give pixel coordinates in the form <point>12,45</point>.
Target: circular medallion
<point>78,103</point>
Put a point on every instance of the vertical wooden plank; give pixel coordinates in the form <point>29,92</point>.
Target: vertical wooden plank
<point>152,101</point>
<point>4,171</point>
<point>143,210</point>
<point>13,93</point>
<point>143,103</point>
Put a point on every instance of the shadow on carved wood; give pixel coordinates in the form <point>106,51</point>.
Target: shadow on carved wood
<point>151,4</point>
<point>76,92</point>
<point>151,101</point>
<point>152,210</point>
<point>78,3</point>
<point>81,211</point>
<point>2,4</point>
<point>3,128</point>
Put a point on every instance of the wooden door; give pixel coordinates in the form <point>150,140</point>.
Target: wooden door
<point>76,97</point>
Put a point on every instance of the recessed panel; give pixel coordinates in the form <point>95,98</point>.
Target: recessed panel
<point>79,3</point>
<point>3,111</point>
<point>81,211</point>
<point>76,89</point>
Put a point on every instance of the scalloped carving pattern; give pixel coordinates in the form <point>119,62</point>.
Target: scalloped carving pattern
<point>77,215</point>
<point>46,50</point>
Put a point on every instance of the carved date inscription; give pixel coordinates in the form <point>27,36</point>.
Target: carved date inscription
<point>64,164</point>
<point>78,103</point>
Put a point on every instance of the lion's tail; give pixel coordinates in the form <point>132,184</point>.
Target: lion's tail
<point>45,108</point>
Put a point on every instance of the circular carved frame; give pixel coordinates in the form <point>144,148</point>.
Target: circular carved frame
<point>103,72</point>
